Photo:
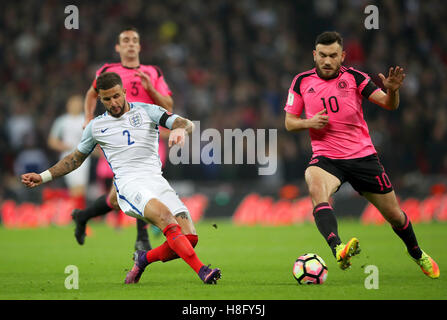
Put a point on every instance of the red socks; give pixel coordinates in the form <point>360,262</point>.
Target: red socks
<point>164,252</point>
<point>176,245</point>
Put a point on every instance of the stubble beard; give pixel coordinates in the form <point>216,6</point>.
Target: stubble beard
<point>327,77</point>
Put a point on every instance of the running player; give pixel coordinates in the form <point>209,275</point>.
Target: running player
<point>331,96</point>
<point>128,135</point>
<point>143,83</point>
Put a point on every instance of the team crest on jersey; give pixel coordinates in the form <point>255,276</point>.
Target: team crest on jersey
<point>136,120</point>
<point>342,85</point>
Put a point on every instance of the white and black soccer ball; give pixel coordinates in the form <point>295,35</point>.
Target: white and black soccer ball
<point>310,268</point>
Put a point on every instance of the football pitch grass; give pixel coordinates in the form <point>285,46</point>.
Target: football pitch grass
<point>256,264</point>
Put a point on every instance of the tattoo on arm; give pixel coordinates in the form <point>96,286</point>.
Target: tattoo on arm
<point>68,164</point>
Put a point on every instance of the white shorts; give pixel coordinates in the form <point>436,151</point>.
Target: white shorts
<point>79,177</point>
<point>134,193</point>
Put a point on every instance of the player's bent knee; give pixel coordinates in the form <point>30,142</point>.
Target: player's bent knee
<point>158,214</point>
<point>185,222</point>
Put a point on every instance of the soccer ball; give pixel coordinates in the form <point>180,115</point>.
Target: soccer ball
<point>310,268</point>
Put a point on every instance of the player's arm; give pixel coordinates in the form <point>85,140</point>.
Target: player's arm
<point>295,123</point>
<point>294,108</point>
<point>159,99</point>
<point>180,127</point>
<point>90,105</point>
<point>392,83</point>
<point>66,165</point>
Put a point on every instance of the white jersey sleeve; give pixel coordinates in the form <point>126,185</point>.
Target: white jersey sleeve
<point>88,142</point>
<point>158,114</point>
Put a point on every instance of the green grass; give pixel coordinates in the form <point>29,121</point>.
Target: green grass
<point>256,263</point>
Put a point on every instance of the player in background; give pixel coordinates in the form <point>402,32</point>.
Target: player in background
<point>65,134</point>
<point>331,96</point>
<point>143,83</point>
<point>128,135</point>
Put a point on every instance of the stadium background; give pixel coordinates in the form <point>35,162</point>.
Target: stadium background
<point>229,65</point>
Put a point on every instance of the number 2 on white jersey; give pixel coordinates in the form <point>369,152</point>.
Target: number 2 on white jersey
<point>129,142</point>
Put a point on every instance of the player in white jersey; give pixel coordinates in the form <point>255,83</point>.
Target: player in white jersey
<point>128,135</point>
<point>130,145</point>
<point>65,134</point>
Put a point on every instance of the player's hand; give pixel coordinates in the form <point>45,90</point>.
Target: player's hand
<point>145,80</point>
<point>31,180</point>
<point>319,121</point>
<point>177,136</point>
<point>394,80</point>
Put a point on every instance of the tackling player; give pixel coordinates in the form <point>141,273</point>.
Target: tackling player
<point>128,135</point>
<point>331,96</point>
<point>143,83</point>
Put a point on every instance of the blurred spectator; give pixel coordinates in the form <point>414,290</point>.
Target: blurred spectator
<point>65,134</point>
<point>31,158</point>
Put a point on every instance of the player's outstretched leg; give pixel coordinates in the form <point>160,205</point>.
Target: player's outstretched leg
<point>165,253</point>
<point>389,207</point>
<point>327,225</point>
<point>143,258</point>
<point>406,233</point>
<point>159,214</point>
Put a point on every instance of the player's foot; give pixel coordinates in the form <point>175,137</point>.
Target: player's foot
<point>344,253</point>
<point>208,275</point>
<point>142,245</point>
<point>428,266</point>
<point>80,226</point>
<point>134,275</point>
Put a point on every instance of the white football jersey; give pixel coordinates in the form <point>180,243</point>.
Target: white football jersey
<point>130,142</point>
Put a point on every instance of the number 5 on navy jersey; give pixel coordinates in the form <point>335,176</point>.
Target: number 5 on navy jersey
<point>129,142</point>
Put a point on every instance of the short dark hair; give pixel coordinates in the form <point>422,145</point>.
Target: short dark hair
<point>126,29</point>
<point>108,80</point>
<point>329,37</point>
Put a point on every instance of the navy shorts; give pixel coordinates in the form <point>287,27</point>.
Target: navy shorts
<point>364,174</point>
